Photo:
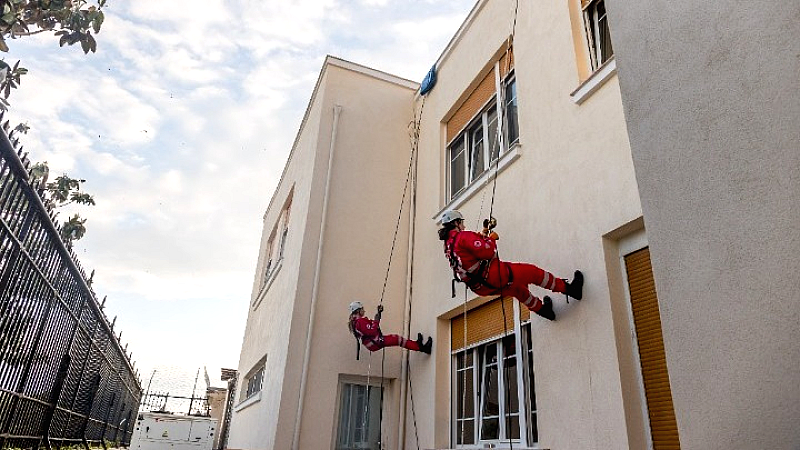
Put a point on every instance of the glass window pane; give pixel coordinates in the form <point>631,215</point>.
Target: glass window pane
<point>606,50</point>
<point>465,432</point>
<point>477,159</point>
<point>494,142</point>
<point>490,429</point>
<point>512,122</point>
<point>512,427</point>
<point>359,417</point>
<point>509,345</point>
<point>465,401</point>
<point>491,401</point>
<point>511,394</point>
<point>458,166</point>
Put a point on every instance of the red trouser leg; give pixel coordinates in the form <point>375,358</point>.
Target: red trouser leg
<point>525,274</point>
<point>393,340</point>
<point>529,274</point>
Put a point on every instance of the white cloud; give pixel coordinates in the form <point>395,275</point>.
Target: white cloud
<point>181,124</point>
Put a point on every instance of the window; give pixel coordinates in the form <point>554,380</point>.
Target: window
<point>253,383</point>
<point>512,125</point>
<point>493,382</point>
<point>359,417</point>
<point>490,413</point>
<point>597,32</point>
<point>479,144</point>
<point>277,243</point>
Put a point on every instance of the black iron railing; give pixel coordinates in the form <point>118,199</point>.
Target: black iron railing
<point>64,377</point>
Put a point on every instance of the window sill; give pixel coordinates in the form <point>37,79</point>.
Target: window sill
<point>268,283</point>
<point>486,177</point>
<point>497,446</point>
<point>595,81</point>
<point>255,398</point>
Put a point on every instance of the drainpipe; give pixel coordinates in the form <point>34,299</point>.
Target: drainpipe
<point>337,109</point>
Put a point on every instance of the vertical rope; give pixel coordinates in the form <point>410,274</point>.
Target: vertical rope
<point>414,147</point>
<point>505,374</point>
<point>415,132</point>
<point>464,376</point>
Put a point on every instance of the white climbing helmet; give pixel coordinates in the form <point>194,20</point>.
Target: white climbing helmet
<point>355,306</point>
<point>451,215</point>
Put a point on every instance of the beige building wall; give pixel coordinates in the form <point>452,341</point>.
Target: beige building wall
<point>710,91</point>
<point>337,251</point>
<point>571,184</point>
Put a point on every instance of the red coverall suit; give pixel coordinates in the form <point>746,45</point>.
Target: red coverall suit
<point>473,257</point>
<point>370,333</point>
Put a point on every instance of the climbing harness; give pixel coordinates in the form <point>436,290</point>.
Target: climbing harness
<point>473,277</point>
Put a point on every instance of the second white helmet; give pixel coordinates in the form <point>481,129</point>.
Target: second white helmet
<point>451,215</point>
<point>355,306</point>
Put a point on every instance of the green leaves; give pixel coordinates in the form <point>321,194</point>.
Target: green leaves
<point>74,20</point>
<point>10,78</point>
<point>63,191</point>
<point>73,229</point>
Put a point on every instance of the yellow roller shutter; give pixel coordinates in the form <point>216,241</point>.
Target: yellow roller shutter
<point>483,323</point>
<point>471,106</point>
<point>647,321</point>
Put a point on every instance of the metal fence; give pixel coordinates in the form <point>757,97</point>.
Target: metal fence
<point>64,377</point>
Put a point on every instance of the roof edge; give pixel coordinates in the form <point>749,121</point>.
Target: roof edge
<point>343,64</point>
<point>461,31</point>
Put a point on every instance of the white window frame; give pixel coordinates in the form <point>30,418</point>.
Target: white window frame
<point>479,365</point>
<point>464,138</point>
<point>592,23</point>
<point>372,390</point>
<point>531,410</point>
<point>276,246</point>
<point>246,396</point>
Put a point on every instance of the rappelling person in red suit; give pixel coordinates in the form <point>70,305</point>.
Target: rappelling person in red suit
<point>368,332</point>
<point>473,258</point>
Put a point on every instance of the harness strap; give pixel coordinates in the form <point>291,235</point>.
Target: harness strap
<point>476,274</point>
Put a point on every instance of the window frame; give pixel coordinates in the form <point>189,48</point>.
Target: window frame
<point>592,26</point>
<point>345,387</point>
<point>247,396</point>
<point>464,139</point>
<point>258,374</point>
<point>276,246</point>
<point>479,365</point>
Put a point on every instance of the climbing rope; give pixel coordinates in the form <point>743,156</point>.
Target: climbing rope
<point>414,132</point>
<point>415,128</point>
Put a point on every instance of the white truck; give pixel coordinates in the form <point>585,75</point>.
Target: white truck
<point>164,431</point>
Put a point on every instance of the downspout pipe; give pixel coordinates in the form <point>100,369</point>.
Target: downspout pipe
<point>337,110</point>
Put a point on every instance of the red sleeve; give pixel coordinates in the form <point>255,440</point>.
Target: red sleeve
<point>367,327</point>
<point>477,245</point>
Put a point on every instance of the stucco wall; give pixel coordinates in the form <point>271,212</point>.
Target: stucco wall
<point>710,91</point>
<point>572,184</point>
<point>371,158</point>
<point>371,154</point>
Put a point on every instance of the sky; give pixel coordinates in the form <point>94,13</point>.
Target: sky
<point>181,124</point>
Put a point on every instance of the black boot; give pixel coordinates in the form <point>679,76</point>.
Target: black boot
<point>427,346</point>
<point>575,287</point>
<point>419,340</point>
<point>546,309</point>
